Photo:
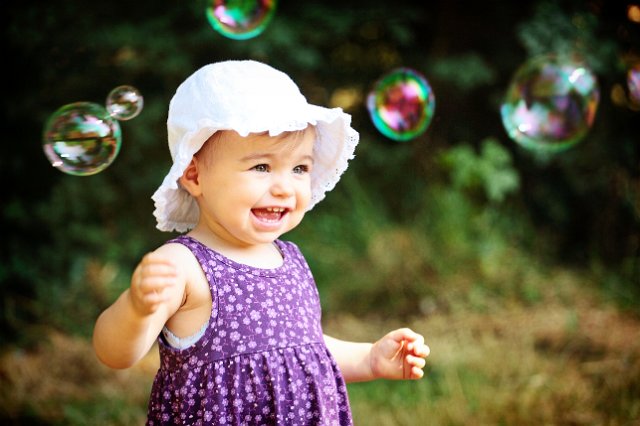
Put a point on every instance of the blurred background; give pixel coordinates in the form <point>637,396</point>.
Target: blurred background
<point>520,267</point>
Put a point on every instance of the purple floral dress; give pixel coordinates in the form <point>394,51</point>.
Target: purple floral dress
<point>262,359</point>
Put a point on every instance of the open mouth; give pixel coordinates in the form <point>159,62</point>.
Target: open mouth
<point>270,214</point>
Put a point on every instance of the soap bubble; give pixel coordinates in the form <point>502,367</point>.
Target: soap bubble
<point>81,138</point>
<point>550,104</point>
<point>401,104</point>
<point>240,19</point>
<point>633,83</point>
<point>124,102</point>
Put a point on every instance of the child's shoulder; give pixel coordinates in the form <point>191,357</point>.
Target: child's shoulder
<point>181,256</point>
<point>291,248</point>
<point>176,250</point>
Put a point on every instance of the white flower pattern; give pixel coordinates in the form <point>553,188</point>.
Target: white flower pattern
<point>262,359</point>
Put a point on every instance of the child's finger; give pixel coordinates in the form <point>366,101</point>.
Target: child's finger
<point>158,268</point>
<point>154,257</point>
<point>420,350</point>
<point>149,267</point>
<point>402,334</point>
<point>416,373</point>
<point>417,341</point>
<point>418,347</point>
<point>415,361</point>
<point>156,284</point>
<point>156,297</point>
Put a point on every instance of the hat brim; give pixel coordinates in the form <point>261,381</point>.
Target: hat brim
<point>336,140</point>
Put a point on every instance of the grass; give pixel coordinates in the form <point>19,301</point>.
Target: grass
<point>60,382</point>
<point>520,366</point>
<point>567,358</point>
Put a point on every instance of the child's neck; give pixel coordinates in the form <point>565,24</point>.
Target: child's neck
<point>264,256</point>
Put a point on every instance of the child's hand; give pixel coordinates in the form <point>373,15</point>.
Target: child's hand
<point>151,283</point>
<point>399,355</point>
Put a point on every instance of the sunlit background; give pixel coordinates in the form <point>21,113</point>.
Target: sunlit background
<point>493,204</point>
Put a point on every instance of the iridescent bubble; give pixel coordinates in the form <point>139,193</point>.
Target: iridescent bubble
<point>81,138</point>
<point>240,19</point>
<point>633,83</point>
<point>550,104</point>
<point>124,102</point>
<point>401,104</point>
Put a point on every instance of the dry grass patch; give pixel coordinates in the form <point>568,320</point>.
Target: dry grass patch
<point>549,363</point>
<point>568,360</point>
<point>62,382</point>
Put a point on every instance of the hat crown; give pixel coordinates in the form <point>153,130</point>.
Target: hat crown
<point>237,95</point>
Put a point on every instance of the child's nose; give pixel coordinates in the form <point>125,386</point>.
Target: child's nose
<point>282,185</point>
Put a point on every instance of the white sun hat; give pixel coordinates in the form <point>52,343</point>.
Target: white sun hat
<point>248,97</point>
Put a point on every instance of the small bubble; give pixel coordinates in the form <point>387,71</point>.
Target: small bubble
<point>240,19</point>
<point>124,102</point>
<point>633,83</point>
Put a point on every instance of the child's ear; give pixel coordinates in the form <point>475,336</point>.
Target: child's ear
<point>190,180</point>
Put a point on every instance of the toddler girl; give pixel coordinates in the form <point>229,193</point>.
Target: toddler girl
<point>234,309</point>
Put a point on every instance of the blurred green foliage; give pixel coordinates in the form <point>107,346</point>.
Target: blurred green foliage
<point>461,199</point>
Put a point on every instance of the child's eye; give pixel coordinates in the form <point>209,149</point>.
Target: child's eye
<point>261,168</point>
<point>301,169</point>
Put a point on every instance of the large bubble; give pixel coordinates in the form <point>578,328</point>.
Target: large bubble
<point>240,19</point>
<point>124,102</point>
<point>550,104</point>
<point>81,138</point>
<point>401,104</point>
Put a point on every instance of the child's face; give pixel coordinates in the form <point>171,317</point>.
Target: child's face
<point>255,188</point>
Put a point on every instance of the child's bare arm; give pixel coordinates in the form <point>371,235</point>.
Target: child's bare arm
<point>398,355</point>
<point>126,330</point>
